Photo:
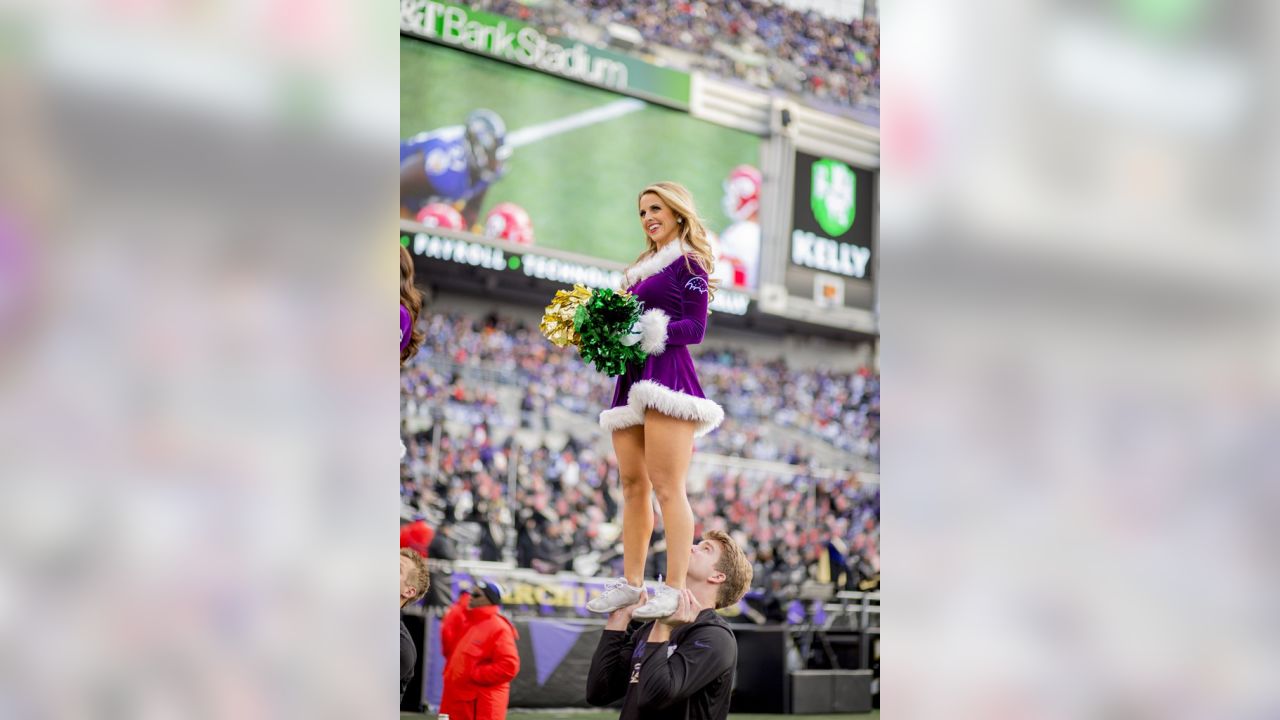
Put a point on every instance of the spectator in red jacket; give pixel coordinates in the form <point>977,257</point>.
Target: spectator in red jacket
<point>480,654</point>
<point>454,626</point>
<point>417,536</point>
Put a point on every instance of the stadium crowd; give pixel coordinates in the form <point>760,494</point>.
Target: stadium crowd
<point>765,44</point>
<point>842,409</point>
<point>560,508</point>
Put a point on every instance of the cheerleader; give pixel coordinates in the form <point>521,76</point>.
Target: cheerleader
<point>658,406</point>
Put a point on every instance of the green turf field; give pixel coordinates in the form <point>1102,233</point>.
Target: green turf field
<point>594,715</point>
<point>579,187</point>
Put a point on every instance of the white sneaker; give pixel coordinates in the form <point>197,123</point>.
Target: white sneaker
<point>665,600</point>
<point>617,595</point>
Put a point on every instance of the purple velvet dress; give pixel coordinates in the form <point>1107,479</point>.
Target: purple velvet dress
<point>406,328</point>
<point>675,296</point>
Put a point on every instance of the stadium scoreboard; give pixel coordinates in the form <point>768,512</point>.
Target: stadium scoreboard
<point>831,248</point>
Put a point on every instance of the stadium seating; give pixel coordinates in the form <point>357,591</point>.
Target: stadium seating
<point>764,44</point>
<point>504,449</point>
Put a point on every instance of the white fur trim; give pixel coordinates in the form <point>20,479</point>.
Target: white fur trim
<point>620,417</point>
<point>648,394</point>
<point>653,264</point>
<point>653,331</point>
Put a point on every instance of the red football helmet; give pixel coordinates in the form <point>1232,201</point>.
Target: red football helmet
<point>736,270</point>
<point>441,215</point>
<point>508,221</point>
<point>742,193</point>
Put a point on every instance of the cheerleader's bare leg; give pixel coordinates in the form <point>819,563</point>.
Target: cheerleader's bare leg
<point>668,448</point>
<point>637,522</point>
<point>637,502</point>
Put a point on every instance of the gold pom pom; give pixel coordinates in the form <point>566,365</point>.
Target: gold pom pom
<point>557,322</point>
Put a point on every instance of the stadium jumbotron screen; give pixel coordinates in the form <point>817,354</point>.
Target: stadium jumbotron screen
<point>533,159</point>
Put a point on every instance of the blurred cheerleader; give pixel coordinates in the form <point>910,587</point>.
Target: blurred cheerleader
<point>410,306</point>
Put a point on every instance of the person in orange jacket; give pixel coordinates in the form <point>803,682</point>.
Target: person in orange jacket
<point>480,656</point>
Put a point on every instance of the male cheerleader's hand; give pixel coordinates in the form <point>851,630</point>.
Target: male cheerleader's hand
<point>621,618</point>
<point>686,611</point>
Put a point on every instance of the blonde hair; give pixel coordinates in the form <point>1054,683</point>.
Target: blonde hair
<point>419,576</point>
<point>735,566</point>
<point>693,231</point>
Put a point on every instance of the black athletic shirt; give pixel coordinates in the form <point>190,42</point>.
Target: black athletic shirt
<point>408,658</point>
<point>687,678</point>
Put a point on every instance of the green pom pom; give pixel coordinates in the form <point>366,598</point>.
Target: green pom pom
<point>601,322</point>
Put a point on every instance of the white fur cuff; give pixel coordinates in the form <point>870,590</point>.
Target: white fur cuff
<point>647,394</point>
<point>620,417</point>
<point>653,331</point>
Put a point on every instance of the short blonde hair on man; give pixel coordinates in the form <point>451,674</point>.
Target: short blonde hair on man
<point>419,576</point>
<point>735,566</point>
